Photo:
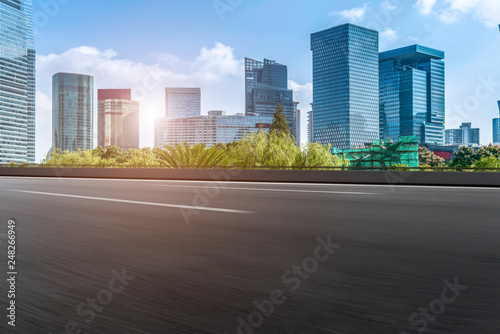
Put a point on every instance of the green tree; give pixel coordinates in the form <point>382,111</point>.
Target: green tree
<point>185,156</point>
<point>428,158</point>
<point>280,124</point>
<point>487,162</point>
<point>113,152</point>
<point>487,151</point>
<point>464,158</point>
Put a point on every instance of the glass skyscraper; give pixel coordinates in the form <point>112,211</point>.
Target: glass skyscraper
<point>496,128</point>
<point>345,86</point>
<point>266,86</point>
<point>412,94</point>
<point>17,82</point>
<point>117,119</point>
<point>72,112</point>
<point>182,102</point>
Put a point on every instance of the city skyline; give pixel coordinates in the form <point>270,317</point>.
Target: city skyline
<point>213,57</point>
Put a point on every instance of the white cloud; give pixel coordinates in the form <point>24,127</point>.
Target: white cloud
<point>426,6</point>
<point>216,71</point>
<point>389,34</point>
<point>449,11</point>
<point>387,5</point>
<point>486,11</point>
<point>353,15</point>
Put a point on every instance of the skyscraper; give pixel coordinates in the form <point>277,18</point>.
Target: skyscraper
<point>412,88</point>
<point>345,86</point>
<point>465,135</point>
<point>182,102</point>
<point>296,123</point>
<point>72,112</point>
<point>266,86</point>
<point>118,119</point>
<point>17,82</point>
<point>496,128</point>
<point>310,128</point>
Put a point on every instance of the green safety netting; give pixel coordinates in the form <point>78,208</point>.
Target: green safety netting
<point>385,153</point>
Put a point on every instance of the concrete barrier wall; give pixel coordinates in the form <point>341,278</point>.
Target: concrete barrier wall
<point>348,177</point>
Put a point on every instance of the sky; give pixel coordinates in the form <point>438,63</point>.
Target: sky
<point>148,45</point>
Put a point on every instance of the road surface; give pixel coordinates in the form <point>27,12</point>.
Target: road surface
<point>124,256</point>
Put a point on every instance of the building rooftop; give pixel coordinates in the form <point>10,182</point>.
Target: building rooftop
<point>414,52</point>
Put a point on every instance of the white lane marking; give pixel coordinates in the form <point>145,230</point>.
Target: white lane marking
<point>277,190</point>
<point>250,182</point>
<point>187,207</point>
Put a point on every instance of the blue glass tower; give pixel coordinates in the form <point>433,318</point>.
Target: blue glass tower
<point>182,102</point>
<point>72,112</point>
<point>496,128</point>
<point>345,86</point>
<point>17,82</point>
<point>266,86</point>
<point>412,94</point>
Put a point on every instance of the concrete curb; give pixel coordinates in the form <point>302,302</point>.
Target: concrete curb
<point>478,179</point>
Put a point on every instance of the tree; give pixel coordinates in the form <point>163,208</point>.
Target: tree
<point>280,124</point>
<point>464,158</point>
<point>487,162</point>
<point>185,156</point>
<point>428,158</point>
<point>279,150</point>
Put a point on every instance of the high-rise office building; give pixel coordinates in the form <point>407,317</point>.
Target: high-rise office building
<point>345,86</point>
<point>412,94</point>
<point>266,86</point>
<point>72,112</point>
<point>208,130</point>
<point>465,135</point>
<point>118,119</point>
<point>310,128</point>
<point>496,128</point>
<point>182,102</point>
<point>296,123</point>
<point>17,82</point>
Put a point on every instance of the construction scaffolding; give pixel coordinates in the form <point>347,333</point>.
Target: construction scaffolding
<point>385,153</point>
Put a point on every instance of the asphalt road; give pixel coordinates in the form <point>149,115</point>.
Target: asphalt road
<point>118,256</point>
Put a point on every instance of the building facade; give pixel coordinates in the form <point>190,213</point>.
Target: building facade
<point>496,128</point>
<point>182,102</point>
<point>17,82</point>
<point>465,135</point>
<point>118,119</point>
<point>296,123</point>
<point>208,130</point>
<point>345,86</point>
<point>266,86</point>
<point>72,112</point>
<point>412,94</point>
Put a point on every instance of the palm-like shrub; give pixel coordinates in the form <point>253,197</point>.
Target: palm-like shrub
<point>197,156</point>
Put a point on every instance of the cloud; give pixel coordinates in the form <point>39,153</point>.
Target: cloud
<point>389,34</point>
<point>216,71</point>
<point>450,11</point>
<point>426,6</point>
<point>353,15</point>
